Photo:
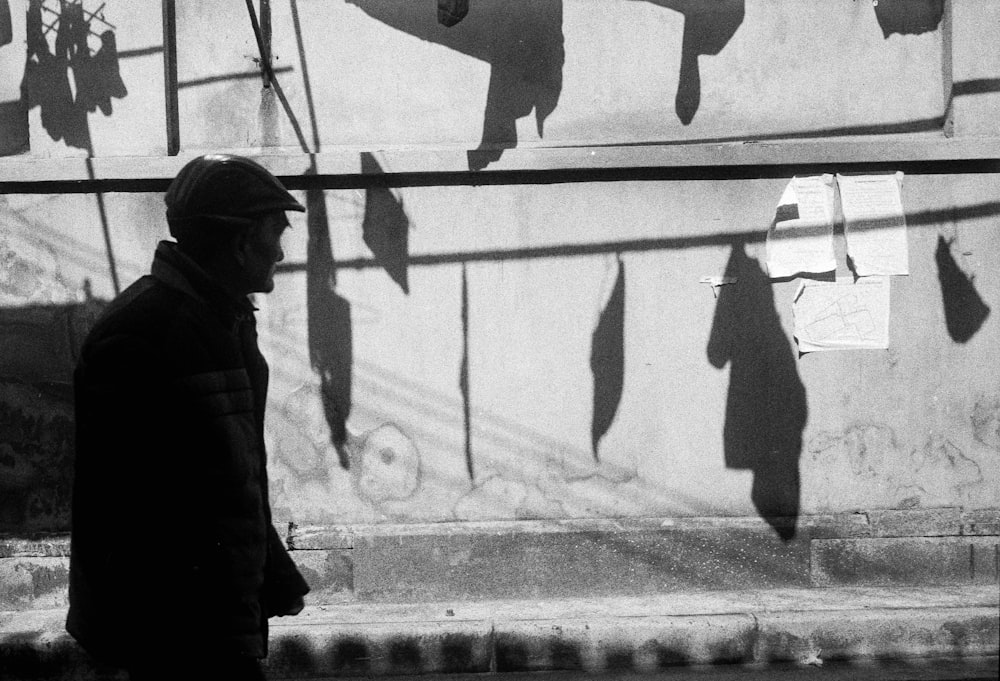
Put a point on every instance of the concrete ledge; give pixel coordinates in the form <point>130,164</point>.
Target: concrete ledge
<point>762,628</point>
<point>345,161</point>
<point>598,557</point>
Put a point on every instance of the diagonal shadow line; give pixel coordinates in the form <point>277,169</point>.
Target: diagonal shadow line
<point>975,86</point>
<point>141,52</point>
<point>106,228</point>
<point>306,83</point>
<point>962,88</point>
<point>227,77</point>
<point>272,80</point>
<point>935,123</point>
<point>916,219</point>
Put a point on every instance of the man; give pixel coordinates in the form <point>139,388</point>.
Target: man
<point>175,566</point>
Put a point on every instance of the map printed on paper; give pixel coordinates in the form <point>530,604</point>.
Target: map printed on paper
<point>842,314</point>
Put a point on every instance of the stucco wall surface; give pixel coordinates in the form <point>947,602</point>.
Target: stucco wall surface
<point>463,353</point>
<point>496,350</point>
<point>383,73</point>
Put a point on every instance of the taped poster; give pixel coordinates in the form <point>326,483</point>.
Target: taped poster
<point>874,223</point>
<point>842,315</point>
<point>800,239</point>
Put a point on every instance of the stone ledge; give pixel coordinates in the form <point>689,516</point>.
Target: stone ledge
<point>345,161</point>
<point>569,558</point>
<point>904,560</point>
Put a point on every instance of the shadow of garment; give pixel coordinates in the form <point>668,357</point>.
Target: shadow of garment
<point>607,361</point>
<point>46,83</point>
<point>331,352</point>
<point>14,137</point>
<point>708,27</point>
<point>98,77</point>
<point>909,17</point>
<point>6,25</point>
<point>521,40</point>
<point>766,403</point>
<point>964,310</point>
<point>386,227</point>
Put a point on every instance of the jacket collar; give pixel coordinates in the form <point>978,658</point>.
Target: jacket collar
<point>173,268</point>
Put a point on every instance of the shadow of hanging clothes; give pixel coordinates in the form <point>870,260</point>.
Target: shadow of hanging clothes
<point>708,27</point>
<point>100,76</point>
<point>386,227</point>
<point>6,25</point>
<point>964,310</point>
<point>766,404</point>
<point>14,138</point>
<point>521,41</point>
<point>46,83</point>
<point>331,349</point>
<point>607,361</point>
<point>450,12</point>
<point>909,17</point>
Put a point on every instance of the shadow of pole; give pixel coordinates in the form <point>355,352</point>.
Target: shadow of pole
<point>464,378</point>
<point>766,404</point>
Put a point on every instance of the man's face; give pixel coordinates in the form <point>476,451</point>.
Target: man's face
<point>262,251</point>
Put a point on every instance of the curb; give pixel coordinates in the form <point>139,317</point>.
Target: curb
<point>642,644</point>
<point>640,635</point>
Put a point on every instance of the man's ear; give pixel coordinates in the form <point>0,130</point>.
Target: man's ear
<point>240,246</point>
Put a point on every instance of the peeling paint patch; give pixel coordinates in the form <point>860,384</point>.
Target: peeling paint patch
<point>986,423</point>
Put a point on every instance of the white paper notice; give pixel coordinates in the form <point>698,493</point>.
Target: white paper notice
<point>842,314</point>
<point>874,223</point>
<point>801,237</point>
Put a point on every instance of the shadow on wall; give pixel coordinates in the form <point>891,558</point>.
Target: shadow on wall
<point>95,74</point>
<point>522,43</point>
<point>766,405</point>
<point>331,347</point>
<point>964,309</point>
<point>386,227</point>
<point>708,27</point>
<point>607,361</point>
<point>908,17</point>
<point>13,114</point>
<point>6,25</point>
<point>40,347</point>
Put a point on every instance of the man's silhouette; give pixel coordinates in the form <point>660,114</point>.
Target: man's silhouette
<point>175,566</point>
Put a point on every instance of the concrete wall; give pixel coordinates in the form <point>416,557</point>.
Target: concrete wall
<point>455,348</point>
<point>383,73</point>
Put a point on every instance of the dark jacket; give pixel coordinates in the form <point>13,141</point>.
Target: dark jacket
<point>172,543</point>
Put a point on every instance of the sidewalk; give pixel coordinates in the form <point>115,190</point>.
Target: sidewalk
<point>807,627</point>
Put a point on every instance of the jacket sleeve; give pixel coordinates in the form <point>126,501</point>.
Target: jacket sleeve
<point>283,583</point>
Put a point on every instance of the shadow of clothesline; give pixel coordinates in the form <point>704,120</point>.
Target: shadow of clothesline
<point>913,219</point>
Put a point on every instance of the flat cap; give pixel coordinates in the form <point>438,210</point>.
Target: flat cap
<point>224,188</point>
